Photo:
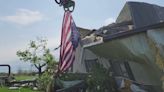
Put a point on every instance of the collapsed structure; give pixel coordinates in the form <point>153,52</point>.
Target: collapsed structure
<point>132,47</point>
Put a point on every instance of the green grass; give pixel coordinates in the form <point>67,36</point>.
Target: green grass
<point>5,89</point>
<point>19,77</point>
<point>24,77</point>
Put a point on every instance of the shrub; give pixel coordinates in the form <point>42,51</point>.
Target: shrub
<point>100,80</point>
<point>44,80</point>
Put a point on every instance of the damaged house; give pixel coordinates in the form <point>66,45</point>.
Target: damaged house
<point>133,46</point>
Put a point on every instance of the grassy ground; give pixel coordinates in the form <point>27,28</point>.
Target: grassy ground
<point>5,89</point>
<point>20,77</point>
<point>23,77</point>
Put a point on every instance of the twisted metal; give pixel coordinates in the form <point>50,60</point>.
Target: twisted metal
<point>67,4</point>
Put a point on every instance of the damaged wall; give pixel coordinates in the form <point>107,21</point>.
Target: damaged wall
<point>82,55</point>
<point>145,48</point>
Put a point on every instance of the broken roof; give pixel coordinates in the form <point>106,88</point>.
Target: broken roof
<point>135,16</point>
<point>141,14</point>
<point>83,32</point>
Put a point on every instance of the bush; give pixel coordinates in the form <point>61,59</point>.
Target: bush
<point>73,76</point>
<point>100,80</point>
<point>44,80</point>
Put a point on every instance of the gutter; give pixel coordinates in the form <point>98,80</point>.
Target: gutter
<point>119,35</point>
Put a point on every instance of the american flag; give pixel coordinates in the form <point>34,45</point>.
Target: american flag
<point>69,42</point>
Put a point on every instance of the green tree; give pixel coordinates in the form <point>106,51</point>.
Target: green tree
<point>38,54</point>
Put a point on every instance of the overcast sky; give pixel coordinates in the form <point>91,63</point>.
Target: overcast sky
<point>24,20</point>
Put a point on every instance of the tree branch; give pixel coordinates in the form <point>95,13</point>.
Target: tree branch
<point>36,66</point>
<point>44,64</point>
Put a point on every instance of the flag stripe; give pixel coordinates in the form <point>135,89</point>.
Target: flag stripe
<point>69,38</point>
<point>67,64</point>
<point>67,59</point>
<point>67,50</point>
<point>66,27</point>
<point>71,61</point>
<point>67,31</point>
<point>66,17</point>
<point>61,44</point>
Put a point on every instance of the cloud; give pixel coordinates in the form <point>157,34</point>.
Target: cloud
<point>109,21</point>
<point>54,42</point>
<point>24,17</point>
<point>7,55</point>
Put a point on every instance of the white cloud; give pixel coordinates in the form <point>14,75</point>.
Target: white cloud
<point>53,43</point>
<point>108,21</point>
<point>24,17</point>
<point>7,55</point>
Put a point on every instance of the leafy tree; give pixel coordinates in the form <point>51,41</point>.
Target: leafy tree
<point>38,54</point>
